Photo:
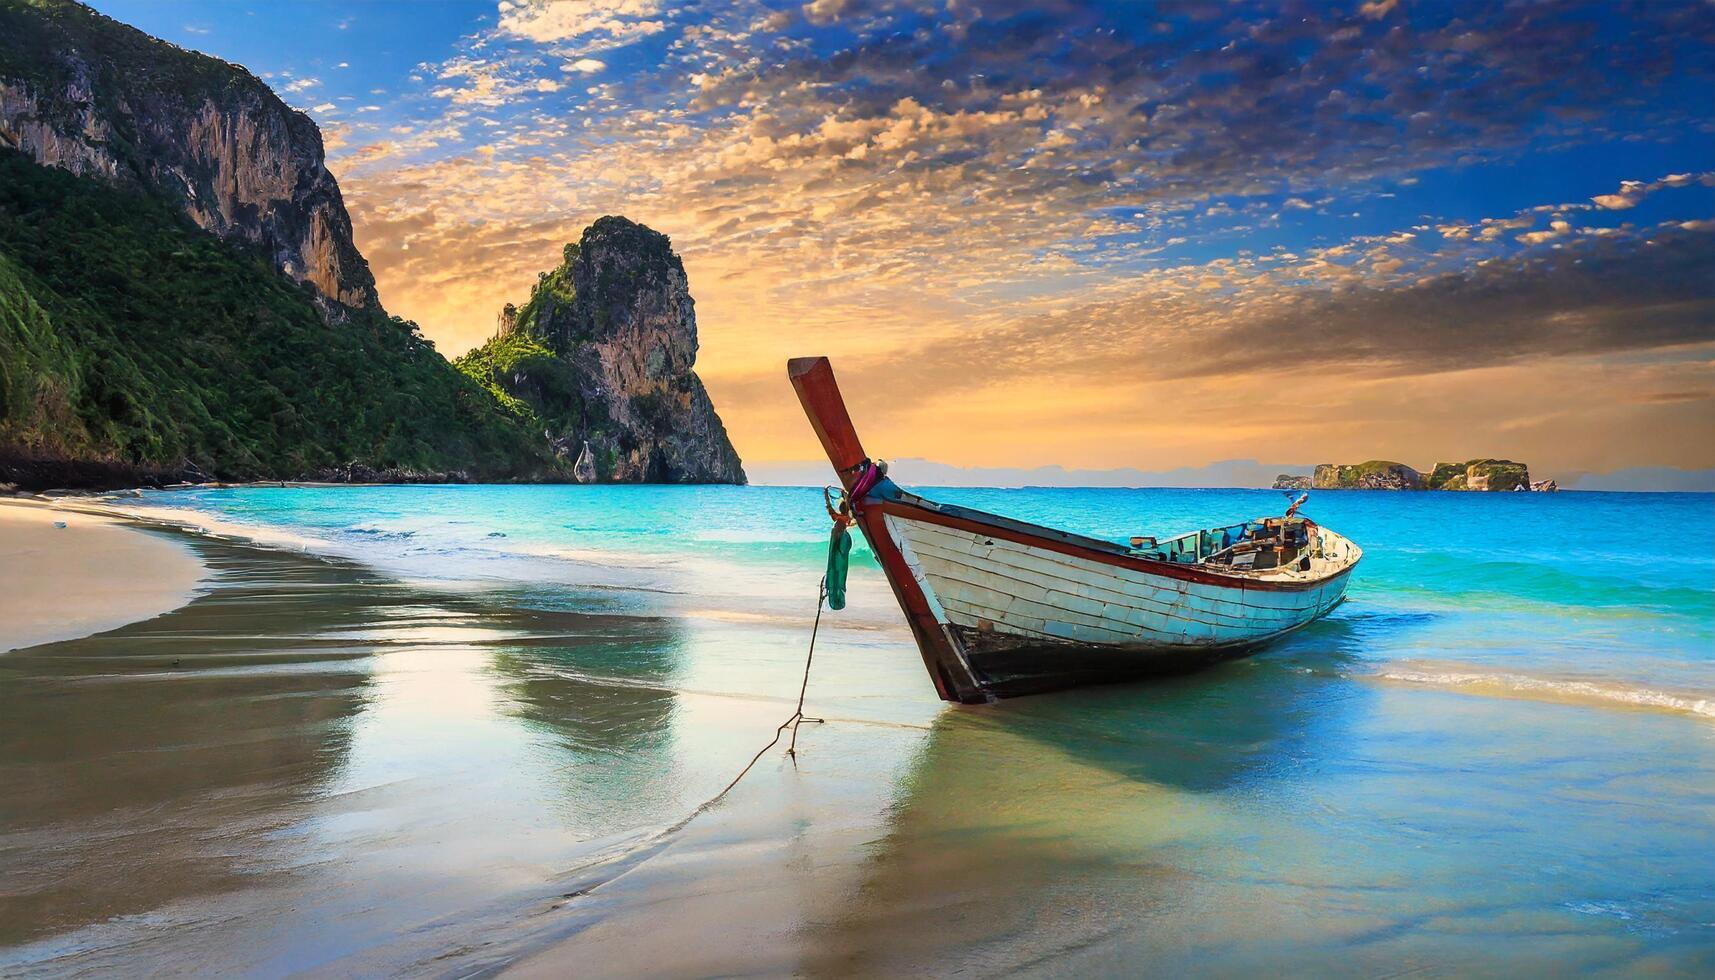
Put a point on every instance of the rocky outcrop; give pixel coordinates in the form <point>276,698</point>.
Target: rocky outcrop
<point>1480,474</point>
<point>1287,481</point>
<point>88,94</point>
<point>1376,474</point>
<point>584,470</point>
<point>602,357</point>
<point>1381,474</point>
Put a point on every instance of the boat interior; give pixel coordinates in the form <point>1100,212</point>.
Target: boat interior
<point>1270,544</point>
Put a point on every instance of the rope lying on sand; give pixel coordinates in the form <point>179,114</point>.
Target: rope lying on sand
<point>660,838</point>
<point>839,546</point>
<point>797,718</point>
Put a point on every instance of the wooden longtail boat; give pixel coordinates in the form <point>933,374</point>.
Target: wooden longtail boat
<point>1000,607</point>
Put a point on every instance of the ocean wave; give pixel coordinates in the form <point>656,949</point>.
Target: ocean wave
<point>379,533</point>
<point>697,586</point>
<point>1557,690</point>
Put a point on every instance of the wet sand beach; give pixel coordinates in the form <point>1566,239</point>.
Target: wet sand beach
<point>314,768</point>
<point>91,574</point>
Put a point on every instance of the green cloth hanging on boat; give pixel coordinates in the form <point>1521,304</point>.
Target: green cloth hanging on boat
<point>839,556</point>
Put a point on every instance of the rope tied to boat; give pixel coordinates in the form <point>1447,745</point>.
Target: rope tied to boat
<point>830,594</point>
<point>839,550</point>
<point>844,515</point>
<point>796,718</point>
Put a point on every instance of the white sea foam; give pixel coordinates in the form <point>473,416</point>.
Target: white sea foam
<point>443,554</point>
<point>1468,679</point>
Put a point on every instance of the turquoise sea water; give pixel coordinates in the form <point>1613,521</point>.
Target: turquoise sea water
<point>1592,587</point>
<point>476,742</point>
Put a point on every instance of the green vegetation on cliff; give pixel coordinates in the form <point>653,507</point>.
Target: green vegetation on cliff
<point>531,382</point>
<point>1375,474</point>
<point>600,362</point>
<point>1480,474</point>
<point>1382,474</point>
<point>34,32</point>
<point>131,338</point>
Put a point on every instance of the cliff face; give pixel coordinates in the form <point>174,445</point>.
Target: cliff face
<point>88,94</point>
<point>601,358</point>
<point>179,294</point>
<point>136,348</point>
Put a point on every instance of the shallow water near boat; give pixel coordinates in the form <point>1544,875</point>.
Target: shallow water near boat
<point>466,744</point>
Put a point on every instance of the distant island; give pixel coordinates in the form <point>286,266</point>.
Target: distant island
<point>181,301</point>
<point>1383,474</point>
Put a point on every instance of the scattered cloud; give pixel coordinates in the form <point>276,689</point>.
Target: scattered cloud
<point>607,22</point>
<point>1039,189</point>
<point>1631,192</point>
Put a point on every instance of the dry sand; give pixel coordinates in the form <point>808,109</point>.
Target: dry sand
<point>95,574</point>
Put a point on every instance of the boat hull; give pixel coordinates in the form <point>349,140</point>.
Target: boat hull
<point>1008,666</point>
<point>1033,614</point>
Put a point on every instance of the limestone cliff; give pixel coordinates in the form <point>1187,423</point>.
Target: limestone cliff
<point>601,360</point>
<point>180,298</point>
<point>88,94</point>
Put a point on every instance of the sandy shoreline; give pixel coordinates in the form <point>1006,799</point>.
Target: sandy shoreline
<point>94,574</point>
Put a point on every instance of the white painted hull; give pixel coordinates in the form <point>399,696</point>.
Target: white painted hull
<point>984,584</point>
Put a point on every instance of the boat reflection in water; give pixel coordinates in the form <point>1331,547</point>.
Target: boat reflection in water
<point>1084,829</point>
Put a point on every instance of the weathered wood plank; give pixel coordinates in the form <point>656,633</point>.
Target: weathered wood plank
<point>1117,582</point>
<point>984,582</point>
<point>1094,585</point>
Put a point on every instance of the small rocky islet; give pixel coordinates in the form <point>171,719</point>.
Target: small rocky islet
<point>1484,475</point>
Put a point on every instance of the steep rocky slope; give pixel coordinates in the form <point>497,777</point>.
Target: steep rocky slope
<point>88,94</point>
<point>600,360</point>
<point>180,298</point>
<point>136,349</point>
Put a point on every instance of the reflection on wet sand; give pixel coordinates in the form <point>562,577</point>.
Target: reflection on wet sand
<point>314,765</point>
<point>151,763</point>
<point>1276,810</point>
<point>973,842</point>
